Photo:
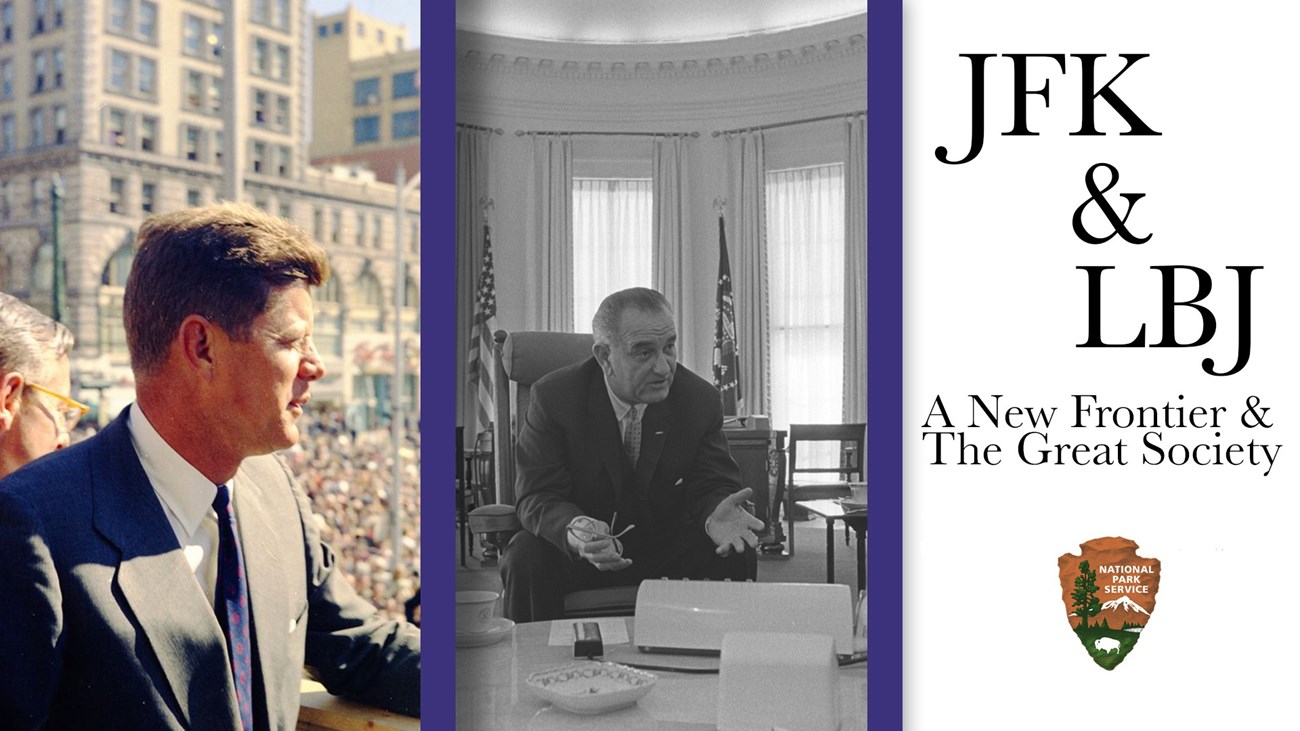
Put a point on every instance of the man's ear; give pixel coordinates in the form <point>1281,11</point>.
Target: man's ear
<point>601,351</point>
<point>196,338</point>
<point>10,386</point>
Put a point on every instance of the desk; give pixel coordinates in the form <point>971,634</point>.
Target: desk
<point>491,695</point>
<point>832,511</point>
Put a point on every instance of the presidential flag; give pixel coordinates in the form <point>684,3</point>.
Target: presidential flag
<point>726,361</point>
<point>480,345</point>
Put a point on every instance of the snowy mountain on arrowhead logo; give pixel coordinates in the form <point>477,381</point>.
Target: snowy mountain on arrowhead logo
<point>1124,604</point>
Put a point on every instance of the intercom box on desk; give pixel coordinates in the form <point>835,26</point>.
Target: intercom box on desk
<point>693,616</point>
<point>757,422</point>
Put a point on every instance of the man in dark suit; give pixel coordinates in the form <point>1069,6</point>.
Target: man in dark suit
<point>625,438</point>
<point>167,573</point>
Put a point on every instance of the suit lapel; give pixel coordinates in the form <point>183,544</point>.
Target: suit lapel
<point>654,432</point>
<point>267,582</point>
<point>157,583</point>
<point>605,431</point>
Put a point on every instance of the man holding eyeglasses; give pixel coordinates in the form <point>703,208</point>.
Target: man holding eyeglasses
<point>36,415</point>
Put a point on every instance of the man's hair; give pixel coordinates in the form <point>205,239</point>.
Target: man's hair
<point>221,262</point>
<point>605,324</point>
<point>30,342</point>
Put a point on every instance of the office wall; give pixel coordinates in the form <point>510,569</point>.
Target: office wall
<point>517,85</point>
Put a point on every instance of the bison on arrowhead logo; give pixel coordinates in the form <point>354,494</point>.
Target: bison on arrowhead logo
<point>1109,593</point>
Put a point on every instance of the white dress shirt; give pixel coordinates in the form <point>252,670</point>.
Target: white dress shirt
<point>186,497</point>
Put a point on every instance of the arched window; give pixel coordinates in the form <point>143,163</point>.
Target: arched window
<point>328,331</point>
<point>112,283</point>
<point>367,314</point>
<point>411,305</point>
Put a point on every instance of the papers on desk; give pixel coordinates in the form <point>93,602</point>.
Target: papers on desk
<point>613,631</point>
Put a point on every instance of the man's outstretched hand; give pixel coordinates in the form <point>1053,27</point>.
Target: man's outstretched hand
<point>730,526</point>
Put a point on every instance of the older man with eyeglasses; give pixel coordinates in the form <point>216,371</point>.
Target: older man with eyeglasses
<point>36,414</point>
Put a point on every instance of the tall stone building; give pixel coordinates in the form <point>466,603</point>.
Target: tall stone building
<point>132,107</point>
<point>366,95</point>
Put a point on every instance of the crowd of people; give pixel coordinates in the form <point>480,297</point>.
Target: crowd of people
<point>349,480</point>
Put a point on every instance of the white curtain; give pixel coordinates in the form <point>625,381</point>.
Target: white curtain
<point>855,271</point>
<point>671,222</point>
<point>612,221</point>
<point>472,155</point>
<point>553,185</point>
<point>747,247</point>
<point>805,219</point>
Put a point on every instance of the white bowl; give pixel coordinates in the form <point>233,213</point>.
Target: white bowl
<point>591,687</point>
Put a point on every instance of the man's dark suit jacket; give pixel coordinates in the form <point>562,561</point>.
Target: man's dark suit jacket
<point>102,624</point>
<point>570,461</point>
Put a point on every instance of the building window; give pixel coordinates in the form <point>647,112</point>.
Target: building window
<point>38,201</point>
<point>6,200</point>
<point>379,35</point>
<point>194,91</point>
<point>282,113</point>
<point>360,231</point>
<point>612,234</point>
<point>38,16</point>
<point>147,193</point>
<point>365,92</point>
<point>60,61</point>
<point>58,13</point>
<point>60,124</point>
<point>7,22</point>
<point>216,92</point>
<point>38,72</point>
<point>216,40</point>
<point>259,157</point>
<point>285,154</point>
<point>338,28</point>
<point>406,84</point>
<point>6,79</point>
<point>281,68</point>
<point>147,20</point>
<point>149,134</point>
<point>147,76</point>
<point>7,133</point>
<point>261,11</point>
<point>281,17</point>
<point>336,226</point>
<point>193,198</point>
<point>193,143</point>
<point>260,112</point>
<point>805,234</point>
<point>117,195</point>
<point>193,35</point>
<point>318,221</point>
<point>406,124</point>
<point>115,132</point>
<point>365,129</point>
<point>118,65</point>
<point>117,15</point>
<point>218,146</point>
<point>261,57</point>
<point>286,211</point>
<point>323,31</point>
<point>37,119</point>
<point>377,231</point>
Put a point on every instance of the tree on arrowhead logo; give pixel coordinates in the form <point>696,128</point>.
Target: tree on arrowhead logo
<point>1110,594</point>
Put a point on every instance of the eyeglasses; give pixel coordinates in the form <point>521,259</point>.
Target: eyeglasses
<point>70,409</point>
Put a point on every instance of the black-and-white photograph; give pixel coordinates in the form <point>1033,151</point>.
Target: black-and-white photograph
<point>661,379</point>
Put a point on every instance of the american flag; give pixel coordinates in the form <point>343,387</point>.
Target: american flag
<point>726,361</point>
<point>480,345</point>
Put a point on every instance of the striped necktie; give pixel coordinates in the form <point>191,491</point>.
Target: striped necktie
<point>232,604</point>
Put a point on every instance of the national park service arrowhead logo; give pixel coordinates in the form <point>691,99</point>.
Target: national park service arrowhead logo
<point>1110,595</point>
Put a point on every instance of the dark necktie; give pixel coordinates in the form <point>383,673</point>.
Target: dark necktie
<point>232,604</point>
<point>632,437</point>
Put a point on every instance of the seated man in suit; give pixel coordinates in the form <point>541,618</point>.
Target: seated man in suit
<point>35,412</point>
<point>167,573</point>
<point>625,438</point>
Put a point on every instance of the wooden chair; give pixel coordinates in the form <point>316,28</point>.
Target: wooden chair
<point>851,440</point>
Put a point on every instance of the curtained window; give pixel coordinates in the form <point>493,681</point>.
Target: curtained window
<point>613,221</point>
<point>805,238</point>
